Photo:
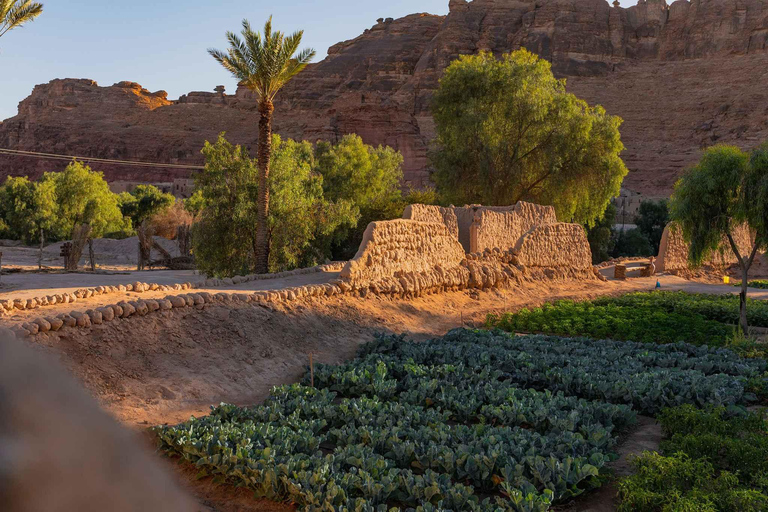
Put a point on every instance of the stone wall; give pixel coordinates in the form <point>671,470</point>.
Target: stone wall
<point>554,245</point>
<point>503,229</point>
<point>432,213</point>
<point>402,246</point>
<point>673,251</point>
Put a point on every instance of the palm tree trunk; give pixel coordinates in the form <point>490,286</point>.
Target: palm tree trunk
<point>262,207</point>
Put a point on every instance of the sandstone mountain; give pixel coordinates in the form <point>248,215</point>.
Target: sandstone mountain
<point>683,76</point>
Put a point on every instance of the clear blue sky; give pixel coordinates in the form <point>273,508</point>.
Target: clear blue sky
<point>162,44</point>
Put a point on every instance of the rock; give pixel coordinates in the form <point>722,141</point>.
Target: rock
<point>42,324</point>
<point>56,323</point>
<point>68,320</point>
<point>152,305</point>
<point>128,309</point>
<point>95,316</point>
<point>177,302</point>
<point>107,314</point>
<point>165,304</point>
<point>30,327</point>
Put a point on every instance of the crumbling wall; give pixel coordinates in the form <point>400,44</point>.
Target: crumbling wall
<point>401,246</point>
<point>503,229</point>
<point>432,213</point>
<point>554,245</point>
<point>673,250</point>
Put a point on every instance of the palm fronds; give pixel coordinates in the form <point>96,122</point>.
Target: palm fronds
<point>15,13</point>
<point>263,62</point>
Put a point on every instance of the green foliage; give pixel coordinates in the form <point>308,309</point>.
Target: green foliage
<point>301,220</point>
<point>366,177</point>
<point>600,236</point>
<point>652,218</point>
<point>474,421</point>
<point>264,62</point>
<point>144,202</point>
<point>717,460</point>
<point>707,202</point>
<point>83,196</point>
<point>15,13</point>
<point>26,208</point>
<point>632,242</point>
<point>507,131</point>
<point>194,204</point>
<point>679,483</point>
<point>721,308</point>
<point>224,235</point>
<point>607,320</point>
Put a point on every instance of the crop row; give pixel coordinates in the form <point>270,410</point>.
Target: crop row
<point>647,377</point>
<point>307,446</point>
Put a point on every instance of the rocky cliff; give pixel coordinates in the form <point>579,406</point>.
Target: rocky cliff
<point>683,76</point>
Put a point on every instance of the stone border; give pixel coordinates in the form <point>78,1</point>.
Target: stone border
<point>9,305</point>
<point>480,271</point>
<point>126,309</point>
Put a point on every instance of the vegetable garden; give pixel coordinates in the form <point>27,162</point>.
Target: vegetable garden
<point>657,317</point>
<point>474,420</point>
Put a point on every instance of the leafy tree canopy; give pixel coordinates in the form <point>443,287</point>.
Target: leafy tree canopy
<point>365,176</point>
<point>301,220</point>
<point>652,218</point>
<point>83,196</point>
<point>507,131</point>
<point>726,188</point>
<point>143,202</point>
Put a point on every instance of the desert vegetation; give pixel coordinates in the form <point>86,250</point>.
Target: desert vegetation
<point>470,421</point>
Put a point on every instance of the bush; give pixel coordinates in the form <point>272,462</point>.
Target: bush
<point>716,460</point>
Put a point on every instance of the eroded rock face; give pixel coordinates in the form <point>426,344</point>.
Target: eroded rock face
<point>682,76</point>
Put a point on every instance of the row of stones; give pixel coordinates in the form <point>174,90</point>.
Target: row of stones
<point>126,309</point>
<point>9,305</point>
<point>472,274</point>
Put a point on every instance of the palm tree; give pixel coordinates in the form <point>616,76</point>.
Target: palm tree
<point>15,13</point>
<point>263,64</point>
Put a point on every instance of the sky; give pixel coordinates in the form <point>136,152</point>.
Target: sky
<point>162,44</point>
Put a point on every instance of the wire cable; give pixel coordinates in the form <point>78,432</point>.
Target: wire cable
<point>130,163</point>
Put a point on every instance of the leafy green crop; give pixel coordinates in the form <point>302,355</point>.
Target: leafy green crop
<point>619,322</point>
<point>476,421</point>
<point>717,460</point>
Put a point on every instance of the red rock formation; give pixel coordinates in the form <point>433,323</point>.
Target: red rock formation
<point>682,76</point>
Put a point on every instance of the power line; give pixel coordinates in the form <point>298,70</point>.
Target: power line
<point>130,163</point>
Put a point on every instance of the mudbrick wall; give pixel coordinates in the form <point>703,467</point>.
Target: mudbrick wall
<point>392,247</point>
<point>503,229</point>
<point>673,251</point>
<point>432,213</point>
<point>554,245</point>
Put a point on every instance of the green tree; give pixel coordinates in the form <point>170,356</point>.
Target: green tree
<point>15,13</point>
<point>368,178</point>
<point>632,242</point>
<point>263,64</point>
<point>725,189</point>
<point>84,197</point>
<point>301,221</point>
<point>652,218</point>
<point>508,131</point>
<point>143,202</point>
<point>140,205</point>
<point>600,235</point>
<point>224,236</point>
<point>28,210</point>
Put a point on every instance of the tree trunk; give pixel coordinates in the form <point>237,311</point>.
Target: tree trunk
<point>40,256</point>
<point>79,236</point>
<point>91,255</point>
<point>744,265</point>
<point>262,207</point>
<point>144,233</point>
<point>743,299</point>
